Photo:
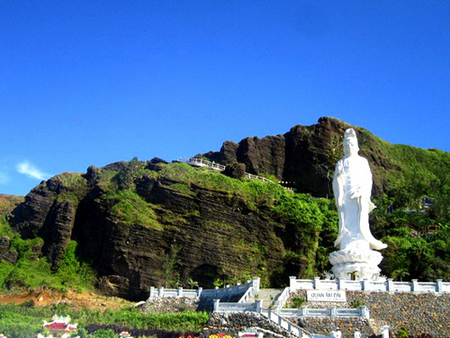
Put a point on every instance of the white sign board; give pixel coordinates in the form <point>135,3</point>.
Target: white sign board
<point>326,296</point>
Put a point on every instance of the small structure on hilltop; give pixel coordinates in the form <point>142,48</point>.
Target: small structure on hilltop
<point>60,326</point>
<point>352,187</point>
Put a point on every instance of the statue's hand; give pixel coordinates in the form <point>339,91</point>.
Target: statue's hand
<point>356,194</point>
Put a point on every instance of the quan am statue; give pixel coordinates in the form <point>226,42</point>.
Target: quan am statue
<point>352,186</point>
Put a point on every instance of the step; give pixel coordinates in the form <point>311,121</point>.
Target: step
<point>268,296</point>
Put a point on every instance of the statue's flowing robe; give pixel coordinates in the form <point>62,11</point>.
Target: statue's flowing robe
<point>352,186</point>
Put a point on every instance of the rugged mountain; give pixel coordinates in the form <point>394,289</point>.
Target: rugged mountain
<point>152,223</point>
<point>140,224</point>
<point>305,156</point>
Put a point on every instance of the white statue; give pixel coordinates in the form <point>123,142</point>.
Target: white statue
<point>352,186</point>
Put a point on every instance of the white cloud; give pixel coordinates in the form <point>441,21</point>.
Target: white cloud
<point>4,178</point>
<point>30,170</point>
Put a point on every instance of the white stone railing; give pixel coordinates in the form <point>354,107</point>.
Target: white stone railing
<point>256,306</point>
<point>286,324</point>
<point>282,299</point>
<point>229,292</point>
<point>237,307</point>
<point>362,312</point>
<point>180,292</point>
<point>219,293</point>
<point>198,162</point>
<point>247,295</point>
<point>367,285</point>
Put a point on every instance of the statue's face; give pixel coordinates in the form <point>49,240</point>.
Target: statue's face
<point>350,146</point>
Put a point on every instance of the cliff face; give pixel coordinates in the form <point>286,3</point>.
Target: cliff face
<point>147,223</point>
<point>305,156</point>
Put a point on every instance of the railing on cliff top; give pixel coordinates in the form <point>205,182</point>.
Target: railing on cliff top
<point>198,162</point>
<point>366,285</point>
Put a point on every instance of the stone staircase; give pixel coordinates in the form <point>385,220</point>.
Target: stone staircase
<point>268,296</point>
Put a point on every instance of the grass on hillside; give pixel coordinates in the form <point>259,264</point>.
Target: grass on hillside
<point>26,320</point>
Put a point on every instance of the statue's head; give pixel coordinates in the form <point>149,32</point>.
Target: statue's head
<point>350,142</point>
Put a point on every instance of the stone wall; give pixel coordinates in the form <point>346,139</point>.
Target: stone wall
<point>417,312</point>
<point>169,304</point>
<point>232,323</point>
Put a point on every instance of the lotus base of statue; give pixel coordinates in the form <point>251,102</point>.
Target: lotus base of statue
<point>358,260</point>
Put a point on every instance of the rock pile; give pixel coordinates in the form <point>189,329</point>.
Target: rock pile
<point>169,305</point>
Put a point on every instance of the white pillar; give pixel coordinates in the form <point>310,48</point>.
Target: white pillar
<point>316,283</point>
<point>256,281</point>
<point>385,332</point>
<point>365,312</point>
<point>303,311</point>
<point>364,284</point>
<point>216,305</point>
<point>160,291</point>
<point>259,303</point>
<point>292,283</point>
<point>390,284</point>
<point>152,291</point>
<point>439,285</point>
<point>333,311</point>
<point>180,292</point>
<point>414,285</point>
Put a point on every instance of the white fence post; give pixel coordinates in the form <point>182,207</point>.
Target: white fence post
<point>364,312</point>
<point>390,284</point>
<point>256,281</point>
<point>216,305</point>
<point>180,292</point>
<point>152,291</point>
<point>364,284</point>
<point>333,311</point>
<point>160,291</point>
<point>415,284</point>
<point>292,280</point>
<point>385,332</point>
<point>259,305</point>
<point>199,291</point>
<point>439,285</point>
<point>316,283</point>
<point>303,311</point>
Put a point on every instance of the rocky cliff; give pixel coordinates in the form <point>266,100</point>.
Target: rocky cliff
<point>152,223</point>
<point>305,156</point>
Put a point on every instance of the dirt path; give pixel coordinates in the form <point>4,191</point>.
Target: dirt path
<point>77,300</point>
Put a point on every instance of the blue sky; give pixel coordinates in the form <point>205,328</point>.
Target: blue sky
<point>93,82</point>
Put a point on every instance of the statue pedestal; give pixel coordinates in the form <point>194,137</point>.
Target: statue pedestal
<point>356,259</point>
